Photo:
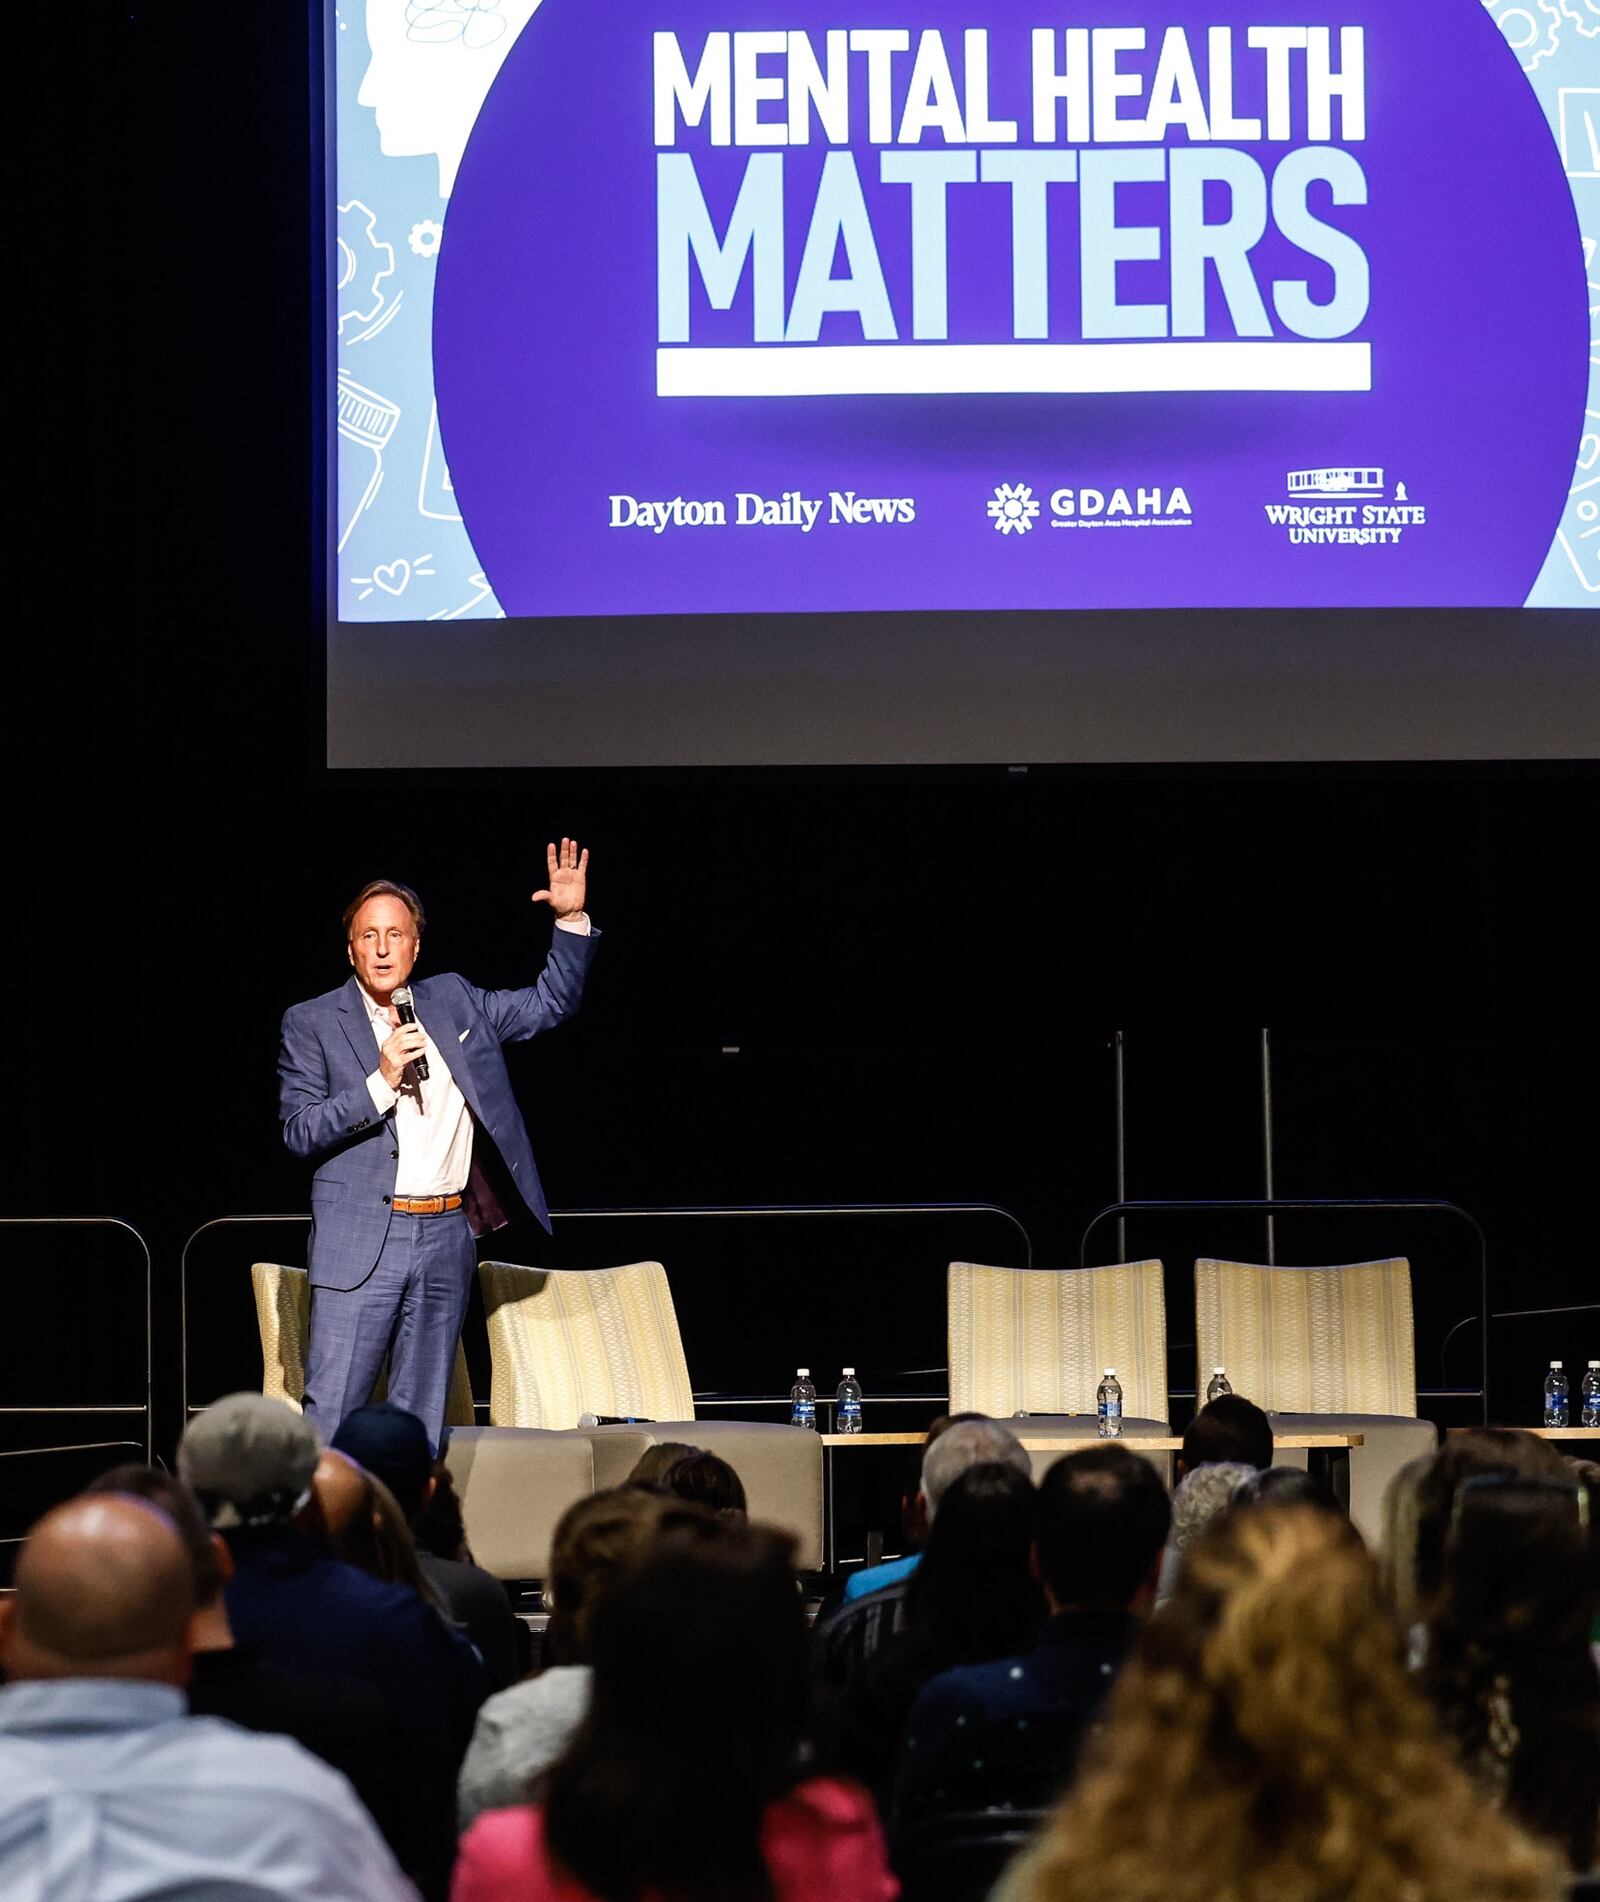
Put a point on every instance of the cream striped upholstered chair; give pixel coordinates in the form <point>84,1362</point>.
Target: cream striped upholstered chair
<point>1036,1341</point>
<point>513,1487</point>
<point>283,1315</point>
<point>1321,1348</point>
<point>605,1341</point>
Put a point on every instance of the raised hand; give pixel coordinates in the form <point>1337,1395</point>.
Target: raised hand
<point>569,878</point>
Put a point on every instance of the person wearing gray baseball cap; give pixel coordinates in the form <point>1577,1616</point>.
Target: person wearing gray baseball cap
<point>249,1461</point>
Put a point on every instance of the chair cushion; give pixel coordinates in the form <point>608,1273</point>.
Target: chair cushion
<point>515,1483</point>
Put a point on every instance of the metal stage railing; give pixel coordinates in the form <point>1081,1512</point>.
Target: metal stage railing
<point>713,1211</point>
<point>1274,1206</point>
<point>143,1407</point>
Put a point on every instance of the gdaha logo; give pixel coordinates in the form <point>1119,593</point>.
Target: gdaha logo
<point>785,254</point>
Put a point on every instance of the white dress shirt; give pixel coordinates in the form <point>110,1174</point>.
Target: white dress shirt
<point>431,1119</point>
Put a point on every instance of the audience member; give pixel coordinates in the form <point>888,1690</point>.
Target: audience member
<point>1469,1455</point>
<point>973,1598</point>
<point>392,1445</point>
<point>250,1461</point>
<point>440,1528</point>
<point>1264,1742</point>
<point>524,1729</point>
<point>1227,1431</point>
<point>916,1513</point>
<point>701,1479</point>
<point>1283,1486</point>
<point>1397,1555</point>
<point>1507,1660</point>
<point>851,1636</point>
<point>366,1527</point>
<point>1587,1474</point>
<point>685,1778</point>
<point>339,1719</point>
<point>1200,1496</point>
<point>108,1787</point>
<point>1006,1735</point>
<point>655,1462</point>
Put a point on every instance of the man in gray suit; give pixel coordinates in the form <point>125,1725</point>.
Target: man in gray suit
<point>417,1140</point>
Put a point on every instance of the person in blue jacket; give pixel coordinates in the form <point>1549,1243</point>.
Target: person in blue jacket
<point>417,1140</point>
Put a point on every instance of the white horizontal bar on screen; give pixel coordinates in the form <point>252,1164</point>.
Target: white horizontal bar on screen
<point>1010,369</point>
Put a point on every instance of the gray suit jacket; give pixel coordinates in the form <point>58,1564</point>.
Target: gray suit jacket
<point>328,1052</point>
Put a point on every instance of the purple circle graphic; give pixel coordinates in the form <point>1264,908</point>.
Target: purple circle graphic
<point>1438,483</point>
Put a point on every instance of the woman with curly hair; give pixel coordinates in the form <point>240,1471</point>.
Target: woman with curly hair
<point>1265,1745</point>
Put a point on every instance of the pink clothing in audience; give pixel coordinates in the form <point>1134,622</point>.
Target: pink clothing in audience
<point>823,1839</point>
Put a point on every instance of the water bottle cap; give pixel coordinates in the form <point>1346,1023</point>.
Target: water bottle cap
<point>1556,1363</point>
<point>1111,1373</point>
<point>803,1373</point>
<point>1218,1370</point>
<point>849,1373</point>
<point>1595,1363</point>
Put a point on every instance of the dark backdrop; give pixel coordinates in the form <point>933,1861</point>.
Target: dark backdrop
<point>921,974</point>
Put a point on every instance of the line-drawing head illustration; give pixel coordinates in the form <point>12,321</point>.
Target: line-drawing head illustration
<point>433,62</point>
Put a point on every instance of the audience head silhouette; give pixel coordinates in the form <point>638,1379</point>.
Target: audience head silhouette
<point>597,1541</point>
<point>1265,1741</point>
<point>208,1560</point>
<point>655,1462</point>
<point>104,1589</point>
<point>1507,1659</point>
<point>249,1460</point>
<point>974,1596</point>
<point>704,1480</point>
<point>392,1445</point>
<point>699,1686</point>
<point>1102,1524</point>
<point>1229,1430</point>
<point>969,1441</point>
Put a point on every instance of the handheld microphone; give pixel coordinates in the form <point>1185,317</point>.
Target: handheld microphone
<point>406,1011</point>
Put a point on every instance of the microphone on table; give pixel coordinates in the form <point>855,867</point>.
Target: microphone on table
<point>406,1011</point>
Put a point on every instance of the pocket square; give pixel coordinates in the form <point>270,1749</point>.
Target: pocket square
<point>465,1034</point>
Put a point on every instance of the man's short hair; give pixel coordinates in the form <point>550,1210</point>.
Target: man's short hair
<point>1103,1520</point>
<point>980,1442</point>
<point>385,888</point>
<point>1229,1430</point>
<point>172,1497</point>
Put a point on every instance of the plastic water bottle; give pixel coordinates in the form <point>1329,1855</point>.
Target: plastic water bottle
<point>1108,1400</point>
<point>1591,1395</point>
<point>1219,1385</point>
<point>1557,1396</point>
<point>847,1404</point>
<point>803,1400</point>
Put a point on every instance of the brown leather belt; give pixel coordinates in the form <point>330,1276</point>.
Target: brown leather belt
<point>425,1204</point>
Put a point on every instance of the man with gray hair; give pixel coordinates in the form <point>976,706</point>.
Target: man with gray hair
<point>874,1600</point>
<point>954,1443</point>
<point>107,1785</point>
<point>1200,1497</point>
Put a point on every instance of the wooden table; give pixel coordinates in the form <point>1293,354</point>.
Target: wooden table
<point>1333,1445</point>
<point>1540,1432</point>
